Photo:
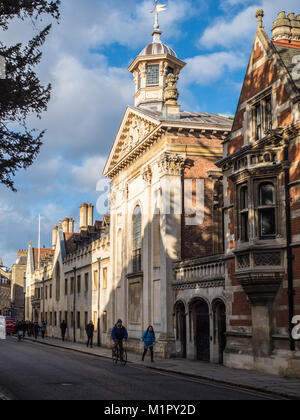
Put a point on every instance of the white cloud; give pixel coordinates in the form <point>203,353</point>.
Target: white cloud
<point>232,32</point>
<point>209,68</point>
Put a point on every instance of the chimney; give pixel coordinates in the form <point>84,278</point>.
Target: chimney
<point>282,28</point>
<point>71,225</point>
<point>83,216</point>
<point>54,236</point>
<point>65,225</point>
<point>295,21</point>
<point>286,28</point>
<point>90,221</point>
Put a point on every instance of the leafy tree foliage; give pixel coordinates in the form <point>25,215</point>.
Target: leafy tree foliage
<point>21,92</point>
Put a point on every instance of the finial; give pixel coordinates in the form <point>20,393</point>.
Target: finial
<point>156,31</point>
<point>259,15</point>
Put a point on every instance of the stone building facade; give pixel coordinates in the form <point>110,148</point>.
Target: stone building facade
<point>165,188</point>
<point>261,206</point>
<point>5,289</point>
<point>18,275</point>
<point>69,281</point>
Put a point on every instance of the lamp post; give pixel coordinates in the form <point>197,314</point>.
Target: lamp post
<point>99,284</point>
<point>74,306</point>
<point>24,292</point>
<point>43,299</point>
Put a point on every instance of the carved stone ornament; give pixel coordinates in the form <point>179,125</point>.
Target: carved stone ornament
<point>146,174</point>
<point>171,93</point>
<point>171,164</point>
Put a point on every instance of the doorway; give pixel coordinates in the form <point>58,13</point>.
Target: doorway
<point>201,330</point>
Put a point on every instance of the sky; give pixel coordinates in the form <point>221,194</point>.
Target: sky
<point>86,58</point>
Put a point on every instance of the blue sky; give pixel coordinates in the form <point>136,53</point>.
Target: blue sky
<point>86,59</point>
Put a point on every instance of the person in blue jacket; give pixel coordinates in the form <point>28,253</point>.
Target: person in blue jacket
<point>119,334</point>
<point>148,339</point>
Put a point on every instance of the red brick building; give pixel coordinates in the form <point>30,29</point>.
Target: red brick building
<point>262,205</point>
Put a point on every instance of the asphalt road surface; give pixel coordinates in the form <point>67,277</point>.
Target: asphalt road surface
<point>30,371</point>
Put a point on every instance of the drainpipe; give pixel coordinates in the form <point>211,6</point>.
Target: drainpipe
<point>74,306</point>
<point>290,257</point>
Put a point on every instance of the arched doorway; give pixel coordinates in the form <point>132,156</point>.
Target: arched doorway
<point>200,312</point>
<point>220,327</point>
<point>181,327</point>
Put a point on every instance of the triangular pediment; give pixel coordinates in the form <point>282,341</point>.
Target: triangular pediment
<point>136,125</point>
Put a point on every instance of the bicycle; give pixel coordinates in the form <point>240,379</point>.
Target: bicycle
<point>116,355</point>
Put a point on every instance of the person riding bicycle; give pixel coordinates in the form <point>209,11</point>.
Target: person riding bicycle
<point>119,334</point>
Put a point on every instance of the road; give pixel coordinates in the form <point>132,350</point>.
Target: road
<point>31,371</point>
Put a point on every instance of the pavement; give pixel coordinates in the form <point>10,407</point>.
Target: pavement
<point>268,384</point>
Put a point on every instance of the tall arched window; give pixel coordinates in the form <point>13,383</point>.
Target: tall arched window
<point>137,239</point>
<point>266,210</point>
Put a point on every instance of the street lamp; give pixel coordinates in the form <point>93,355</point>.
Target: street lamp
<point>24,291</point>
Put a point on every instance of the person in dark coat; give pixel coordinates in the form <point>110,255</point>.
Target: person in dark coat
<point>36,329</point>
<point>149,340</point>
<point>119,334</point>
<point>43,328</point>
<point>90,333</point>
<point>63,328</point>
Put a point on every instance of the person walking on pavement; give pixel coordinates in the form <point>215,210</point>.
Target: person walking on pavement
<point>25,328</point>
<point>36,329</point>
<point>43,328</point>
<point>90,333</point>
<point>149,340</point>
<point>63,328</point>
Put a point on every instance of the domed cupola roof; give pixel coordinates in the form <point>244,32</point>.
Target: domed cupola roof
<point>157,48</point>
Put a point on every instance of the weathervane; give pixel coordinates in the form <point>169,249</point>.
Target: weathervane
<point>157,9</point>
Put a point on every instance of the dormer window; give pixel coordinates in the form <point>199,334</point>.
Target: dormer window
<point>153,74</point>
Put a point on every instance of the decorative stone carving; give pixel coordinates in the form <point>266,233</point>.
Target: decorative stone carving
<point>267,259</point>
<point>243,261</point>
<point>171,93</point>
<point>146,174</point>
<point>171,164</point>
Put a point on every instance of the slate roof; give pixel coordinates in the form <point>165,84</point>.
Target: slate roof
<point>287,53</point>
<point>191,117</point>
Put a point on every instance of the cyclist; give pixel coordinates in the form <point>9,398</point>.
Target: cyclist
<point>119,334</point>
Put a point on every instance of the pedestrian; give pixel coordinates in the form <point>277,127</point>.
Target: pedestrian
<point>63,328</point>
<point>31,329</point>
<point>43,328</point>
<point>36,329</point>
<point>20,330</point>
<point>90,333</point>
<point>149,340</point>
<point>25,328</point>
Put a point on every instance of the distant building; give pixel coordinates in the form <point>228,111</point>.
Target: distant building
<point>18,274</point>
<point>5,290</point>
<point>69,281</point>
